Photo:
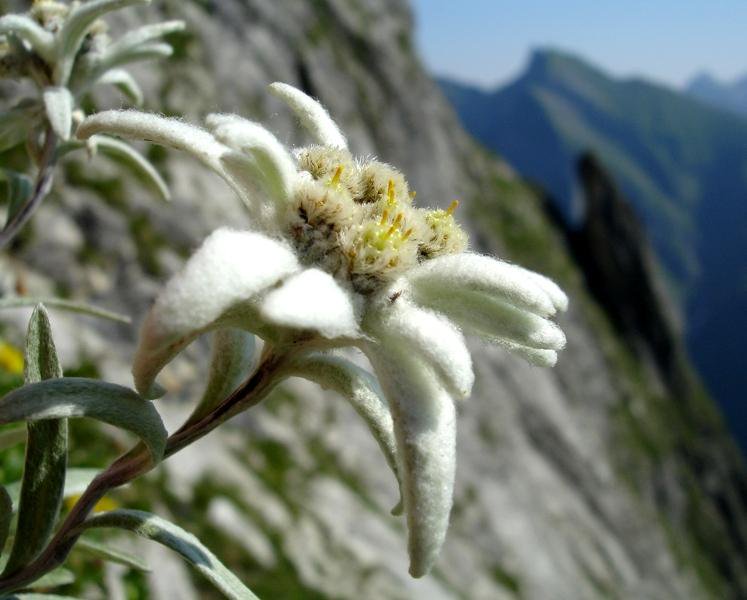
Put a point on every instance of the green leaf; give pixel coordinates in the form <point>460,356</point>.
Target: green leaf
<point>18,190</point>
<point>119,149</point>
<point>79,397</point>
<point>76,482</point>
<point>60,304</point>
<point>46,453</point>
<point>159,530</point>
<point>233,353</point>
<point>40,357</point>
<point>363,392</point>
<point>107,552</point>
<point>59,104</point>
<point>6,514</point>
<point>56,578</point>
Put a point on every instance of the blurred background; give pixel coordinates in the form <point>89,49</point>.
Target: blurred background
<point>602,145</point>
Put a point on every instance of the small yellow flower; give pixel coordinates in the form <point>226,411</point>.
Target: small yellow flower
<point>103,505</point>
<point>11,358</point>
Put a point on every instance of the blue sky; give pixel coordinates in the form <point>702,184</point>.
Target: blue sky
<point>487,41</point>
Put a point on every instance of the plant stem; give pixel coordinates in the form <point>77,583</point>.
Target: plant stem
<point>137,462</point>
<point>43,185</point>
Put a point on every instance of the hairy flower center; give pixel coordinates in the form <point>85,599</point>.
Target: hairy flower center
<point>357,221</point>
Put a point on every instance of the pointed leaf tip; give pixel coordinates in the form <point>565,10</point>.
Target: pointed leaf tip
<point>59,104</point>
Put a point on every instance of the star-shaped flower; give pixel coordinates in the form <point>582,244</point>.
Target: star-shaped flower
<point>341,257</point>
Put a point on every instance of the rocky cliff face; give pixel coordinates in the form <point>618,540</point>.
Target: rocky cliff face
<point>590,480</point>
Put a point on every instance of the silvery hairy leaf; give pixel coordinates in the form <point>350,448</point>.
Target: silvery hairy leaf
<point>107,552</point>
<point>25,28</point>
<point>159,530</point>
<point>133,158</point>
<point>66,305</point>
<point>125,83</point>
<point>79,397</point>
<point>233,356</point>
<point>59,103</point>
<point>56,578</point>
<point>76,26</point>
<point>46,453</point>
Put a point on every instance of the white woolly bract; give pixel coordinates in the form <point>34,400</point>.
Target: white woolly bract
<point>165,131</point>
<point>312,300</point>
<point>465,271</point>
<point>535,356</point>
<point>363,392</point>
<point>425,426</point>
<point>311,114</point>
<point>494,318</point>
<point>230,269</point>
<point>430,337</point>
<point>276,164</point>
<point>552,289</point>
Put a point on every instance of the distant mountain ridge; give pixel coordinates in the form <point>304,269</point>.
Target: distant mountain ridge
<point>682,164</point>
<point>730,96</point>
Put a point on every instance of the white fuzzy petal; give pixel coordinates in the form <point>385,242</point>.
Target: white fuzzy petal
<point>429,335</point>
<point>312,115</point>
<point>363,392</point>
<point>165,131</point>
<point>455,273</point>
<point>275,163</point>
<point>225,274</point>
<point>312,300</point>
<point>535,356</point>
<point>493,319</point>
<point>425,426</point>
<point>552,289</point>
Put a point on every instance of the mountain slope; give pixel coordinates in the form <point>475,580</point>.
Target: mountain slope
<point>730,96</point>
<point>682,164</point>
<point>590,480</point>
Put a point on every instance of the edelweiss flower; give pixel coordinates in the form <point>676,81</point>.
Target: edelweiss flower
<point>65,50</point>
<point>341,257</point>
